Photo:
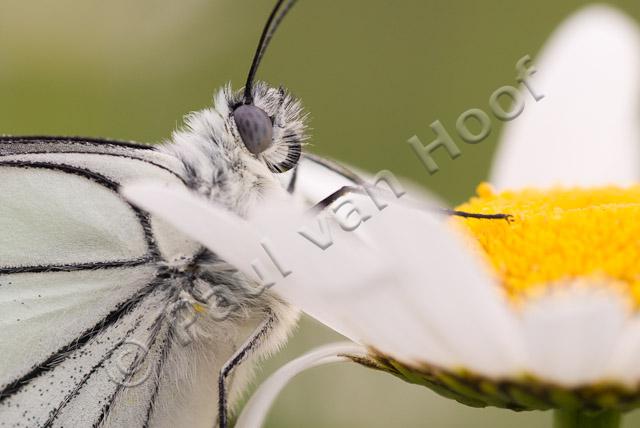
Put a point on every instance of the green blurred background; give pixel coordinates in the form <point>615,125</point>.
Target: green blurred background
<point>372,73</point>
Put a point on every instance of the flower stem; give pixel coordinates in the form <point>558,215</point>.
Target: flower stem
<point>580,419</point>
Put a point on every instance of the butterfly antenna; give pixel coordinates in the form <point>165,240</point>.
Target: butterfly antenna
<point>277,15</point>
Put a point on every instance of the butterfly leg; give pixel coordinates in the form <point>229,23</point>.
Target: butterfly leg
<point>256,338</point>
<point>465,214</point>
<point>343,191</point>
<point>346,190</point>
<point>294,179</point>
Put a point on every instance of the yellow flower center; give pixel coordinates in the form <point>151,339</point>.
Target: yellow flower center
<point>559,236</point>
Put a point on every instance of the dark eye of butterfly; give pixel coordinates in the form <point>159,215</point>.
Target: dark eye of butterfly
<point>255,128</point>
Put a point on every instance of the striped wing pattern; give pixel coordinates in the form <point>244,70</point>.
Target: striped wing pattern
<point>83,309</point>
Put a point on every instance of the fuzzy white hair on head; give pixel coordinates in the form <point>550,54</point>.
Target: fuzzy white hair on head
<point>214,158</point>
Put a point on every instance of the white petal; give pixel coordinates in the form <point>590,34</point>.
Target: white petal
<point>255,411</point>
<point>317,178</point>
<point>585,130</point>
<point>316,181</point>
<point>415,292</point>
<point>194,216</point>
<point>346,264</point>
<point>625,361</point>
<point>444,296</point>
<point>570,333</point>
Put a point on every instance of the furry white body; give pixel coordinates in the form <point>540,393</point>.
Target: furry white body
<point>109,316</point>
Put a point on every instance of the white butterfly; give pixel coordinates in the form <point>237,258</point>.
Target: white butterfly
<point>108,315</point>
<point>111,317</point>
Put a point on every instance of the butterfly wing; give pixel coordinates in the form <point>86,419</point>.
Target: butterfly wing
<point>82,309</point>
<point>13,146</point>
<point>316,178</point>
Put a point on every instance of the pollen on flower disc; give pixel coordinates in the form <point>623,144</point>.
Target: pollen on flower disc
<point>559,236</point>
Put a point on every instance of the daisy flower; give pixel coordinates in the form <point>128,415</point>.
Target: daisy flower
<point>539,312</point>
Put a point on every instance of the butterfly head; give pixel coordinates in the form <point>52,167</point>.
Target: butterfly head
<point>271,128</point>
<point>267,120</point>
<point>234,152</point>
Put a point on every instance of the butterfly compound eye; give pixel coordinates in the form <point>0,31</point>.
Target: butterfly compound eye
<point>255,128</point>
